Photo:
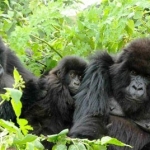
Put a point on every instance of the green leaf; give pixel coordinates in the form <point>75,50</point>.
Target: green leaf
<point>59,147</point>
<point>27,138</point>
<point>16,107</point>
<point>33,145</point>
<point>79,146</point>
<point>30,146</point>
<point>114,141</point>
<point>99,147</point>
<point>19,83</point>
<point>23,123</point>
<point>16,75</point>
<point>38,144</point>
<point>73,147</point>
<point>50,63</point>
<point>130,27</point>
<point>15,94</point>
<point>15,101</point>
<point>63,132</point>
<point>52,138</point>
<point>9,126</point>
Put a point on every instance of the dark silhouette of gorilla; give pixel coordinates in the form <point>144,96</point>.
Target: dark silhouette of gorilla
<point>54,112</point>
<point>124,79</point>
<point>9,61</point>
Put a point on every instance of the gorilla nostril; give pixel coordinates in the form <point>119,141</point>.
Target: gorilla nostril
<point>134,87</point>
<point>147,125</point>
<point>140,89</point>
<point>111,108</point>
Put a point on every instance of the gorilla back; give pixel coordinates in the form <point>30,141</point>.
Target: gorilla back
<point>9,61</point>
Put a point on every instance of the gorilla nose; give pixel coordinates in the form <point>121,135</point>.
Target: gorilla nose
<point>77,83</point>
<point>137,88</point>
<point>147,125</point>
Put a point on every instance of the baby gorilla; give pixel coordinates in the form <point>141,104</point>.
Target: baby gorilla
<point>54,112</point>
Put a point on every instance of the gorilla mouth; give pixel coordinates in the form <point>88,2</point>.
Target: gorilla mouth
<point>73,90</point>
<point>133,99</point>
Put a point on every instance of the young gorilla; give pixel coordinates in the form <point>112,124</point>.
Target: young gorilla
<point>126,80</point>
<point>9,61</point>
<point>54,112</point>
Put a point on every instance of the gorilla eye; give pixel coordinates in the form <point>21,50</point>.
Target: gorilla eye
<point>58,73</point>
<point>80,77</point>
<point>72,74</point>
<point>133,72</point>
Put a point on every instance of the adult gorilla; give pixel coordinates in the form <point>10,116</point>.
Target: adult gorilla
<point>126,80</point>
<point>9,61</point>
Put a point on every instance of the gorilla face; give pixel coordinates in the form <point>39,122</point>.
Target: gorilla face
<point>130,77</point>
<point>74,79</point>
<point>136,90</point>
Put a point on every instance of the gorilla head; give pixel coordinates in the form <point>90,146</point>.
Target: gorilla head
<point>70,72</point>
<point>131,76</point>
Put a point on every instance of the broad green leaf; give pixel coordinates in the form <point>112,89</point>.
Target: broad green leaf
<point>59,147</point>
<point>35,145</point>
<point>30,146</point>
<point>109,140</point>
<point>27,138</point>
<point>38,144</point>
<point>9,126</point>
<point>52,138</point>
<point>80,146</point>
<point>17,106</point>
<point>64,132</point>
<point>73,147</point>
<point>15,94</point>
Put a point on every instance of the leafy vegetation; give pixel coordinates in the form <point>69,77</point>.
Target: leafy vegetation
<point>41,34</point>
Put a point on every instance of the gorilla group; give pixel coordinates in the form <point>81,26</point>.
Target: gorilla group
<point>114,97</point>
<point>48,102</point>
<point>57,86</point>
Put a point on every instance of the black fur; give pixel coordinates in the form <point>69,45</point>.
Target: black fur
<point>111,78</point>
<point>9,61</point>
<point>92,98</point>
<point>54,112</point>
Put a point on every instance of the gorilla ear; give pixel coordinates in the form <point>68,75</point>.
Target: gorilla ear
<point>125,50</point>
<point>58,73</point>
